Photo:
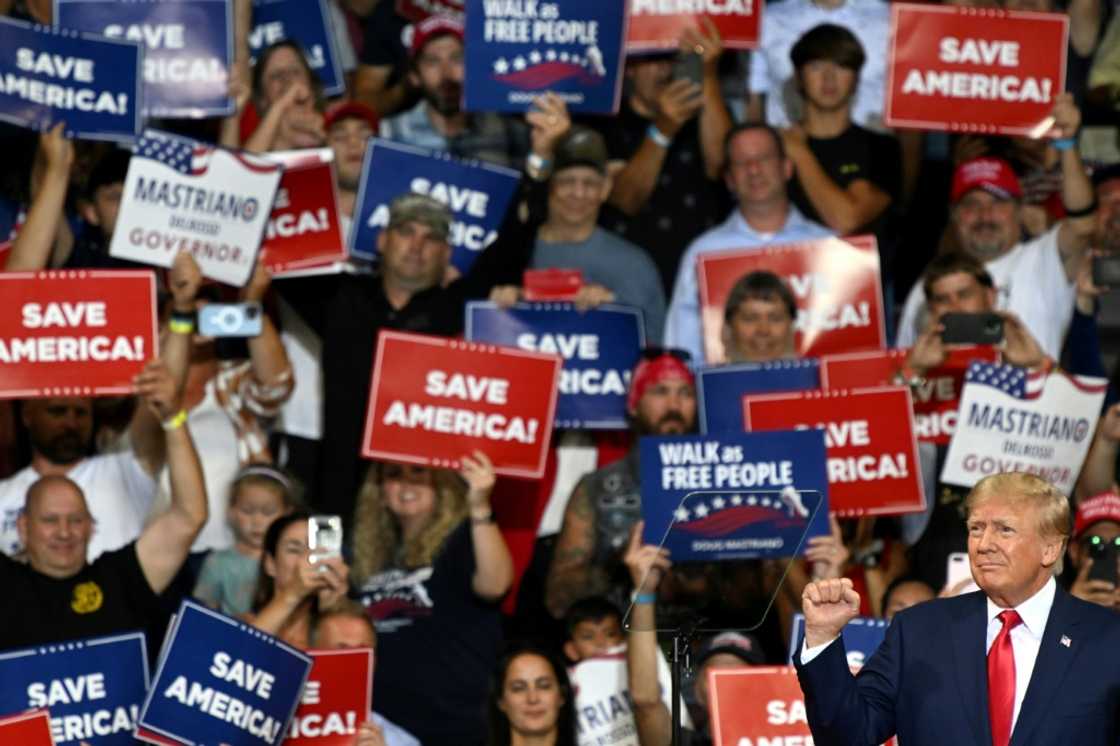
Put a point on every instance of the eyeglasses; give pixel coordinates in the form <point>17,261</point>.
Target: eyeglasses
<point>652,353</point>
<point>1099,546</point>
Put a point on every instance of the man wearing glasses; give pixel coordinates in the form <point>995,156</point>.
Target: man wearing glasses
<point>1095,550</point>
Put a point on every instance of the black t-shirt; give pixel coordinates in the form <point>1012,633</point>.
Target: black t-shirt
<point>348,312</point>
<point>437,644</point>
<point>855,154</point>
<point>109,596</point>
<point>683,204</point>
<point>383,43</point>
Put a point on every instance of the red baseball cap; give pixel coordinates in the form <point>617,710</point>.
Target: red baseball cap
<point>656,366</point>
<point>1102,507</point>
<point>350,110</point>
<point>431,27</point>
<point>994,175</point>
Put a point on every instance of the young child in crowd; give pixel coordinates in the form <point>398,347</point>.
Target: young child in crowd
<point>259,495</point>
<point>594,627</point>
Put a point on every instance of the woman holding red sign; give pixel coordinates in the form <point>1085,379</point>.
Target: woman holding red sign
<point>431,567</point>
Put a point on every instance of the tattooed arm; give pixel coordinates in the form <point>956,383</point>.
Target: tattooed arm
<point>571,575</point>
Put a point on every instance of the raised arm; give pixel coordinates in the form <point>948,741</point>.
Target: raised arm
<point>272,370</point>
<point>493,565</point>
<point>647,564</point>
<point>31,250</point>
<point>166,541</point>
<point>571,576</point>
<point>715,120</point>
<point>1099,472</point>
<point>145,432</point>
<point>1075,232</point>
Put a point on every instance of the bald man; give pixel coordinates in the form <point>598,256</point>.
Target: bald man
<point>57,595</point>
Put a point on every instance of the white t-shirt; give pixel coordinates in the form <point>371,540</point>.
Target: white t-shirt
<point>216,442</point>
<point>783,23</point>
<point>1031,283</point>
<point>118,492</point>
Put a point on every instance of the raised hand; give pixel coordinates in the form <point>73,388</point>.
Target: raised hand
<point>828,605</point>
<point>184,279</point>
<point>157,388</point>
<point>648,563</point>
<point>478,472</point>
<point>828,554</point>
<point>548,122</point>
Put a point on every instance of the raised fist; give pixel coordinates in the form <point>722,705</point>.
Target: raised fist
<point>828,605</point>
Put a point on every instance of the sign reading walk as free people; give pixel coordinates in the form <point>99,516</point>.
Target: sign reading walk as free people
<point>517,50</point>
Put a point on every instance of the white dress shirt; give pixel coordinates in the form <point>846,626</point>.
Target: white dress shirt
<point>1026,639</point>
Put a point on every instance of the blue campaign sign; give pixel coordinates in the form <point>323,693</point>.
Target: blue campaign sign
<point>477,193</point>
<point>90,83</point>
<point>92,687</point>
<point>720,390</point>
<point>188,48</point>
<point>599,347</point>
<point>517,50</point>
<point>221,680</point>
<point>734,496</point>
<point>304,21</point>
<point>862,637</point>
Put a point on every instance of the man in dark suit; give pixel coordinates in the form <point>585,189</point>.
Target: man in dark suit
<point>1019,662</point>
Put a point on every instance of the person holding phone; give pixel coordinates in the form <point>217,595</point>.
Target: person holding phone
<point>1094,552</point>
<point>295,584</point>
<point>431,568</point>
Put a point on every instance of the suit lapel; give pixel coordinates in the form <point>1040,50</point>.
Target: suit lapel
<point>1050,668</point>
<point>969,637</point>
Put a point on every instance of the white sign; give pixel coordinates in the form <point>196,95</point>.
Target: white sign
<point>1014,420</point>
<point>184,195</point>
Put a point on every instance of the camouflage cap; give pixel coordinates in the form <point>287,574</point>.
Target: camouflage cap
<point>420,208</point>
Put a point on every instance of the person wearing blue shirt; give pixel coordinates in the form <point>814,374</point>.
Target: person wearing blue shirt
<point>757,172</point>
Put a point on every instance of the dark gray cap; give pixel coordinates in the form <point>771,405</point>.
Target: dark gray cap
<point>420,208</point>
<point>582,146</point>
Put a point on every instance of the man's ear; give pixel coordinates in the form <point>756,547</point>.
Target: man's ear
<point>21,528</point>
<point>89,214</point>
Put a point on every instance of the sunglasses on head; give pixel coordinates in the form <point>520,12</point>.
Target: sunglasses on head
<point>652,353</point>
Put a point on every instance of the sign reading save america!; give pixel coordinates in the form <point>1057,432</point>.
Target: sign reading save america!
<point>335,699</point>
<point>91,83</point>
<point>975,69</point>
<point>869,433</point>
<point>433,400</point>
<point>75,332</point>
<point>936,395</point>
<point>657,24</point>
<point>304,229</point>
<point>183,195</point>
<point>835,283</point>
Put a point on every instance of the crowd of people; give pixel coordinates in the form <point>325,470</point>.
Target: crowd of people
<point>205,483</point>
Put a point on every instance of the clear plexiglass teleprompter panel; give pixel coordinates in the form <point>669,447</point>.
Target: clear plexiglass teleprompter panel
<point>731,552</point>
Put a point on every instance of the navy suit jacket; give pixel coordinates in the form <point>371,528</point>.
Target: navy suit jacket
<point>928,681</point>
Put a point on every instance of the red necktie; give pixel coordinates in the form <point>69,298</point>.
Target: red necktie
<point>1001,679</point>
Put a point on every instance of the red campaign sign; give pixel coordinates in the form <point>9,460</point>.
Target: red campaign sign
<point>657,24</point>
<point>75,332</point>
<point>869,437</point>
<point>31,728</point>
<point>758,705</point>
<point>936,397</point>
<point>975,69</point>
<point>834,281</point>
<point>304,229</point>
<point>336,698</point>
<point>417,10</point>
<point>551,284</point>
<point>433,400</point>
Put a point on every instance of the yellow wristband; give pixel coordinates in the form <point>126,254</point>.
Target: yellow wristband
<point>179,326</point>
<point>176,422</point>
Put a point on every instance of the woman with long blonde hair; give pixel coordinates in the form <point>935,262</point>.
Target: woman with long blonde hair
<point>431,568</point>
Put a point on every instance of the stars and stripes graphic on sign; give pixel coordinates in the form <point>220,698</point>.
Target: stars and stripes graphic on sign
<point>1009,379</point>
<point>185,156</point>
<point>720,515</point>
<point>538,69</point>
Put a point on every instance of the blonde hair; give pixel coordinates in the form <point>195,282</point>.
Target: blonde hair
<point>1022,488</point>
<point>377,534</point>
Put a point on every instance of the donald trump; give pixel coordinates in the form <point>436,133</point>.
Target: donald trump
<point>1018,662</point>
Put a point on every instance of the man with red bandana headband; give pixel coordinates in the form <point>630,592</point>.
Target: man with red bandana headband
<point>607,503</point>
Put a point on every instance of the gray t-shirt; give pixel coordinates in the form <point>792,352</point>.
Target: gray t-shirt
<point>618,265</point>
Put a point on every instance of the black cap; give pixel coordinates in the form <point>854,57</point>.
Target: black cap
<point>582,146</point>
<point>744,647</point>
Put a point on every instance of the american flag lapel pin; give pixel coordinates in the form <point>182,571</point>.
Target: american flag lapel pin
<point>1065,641</point>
